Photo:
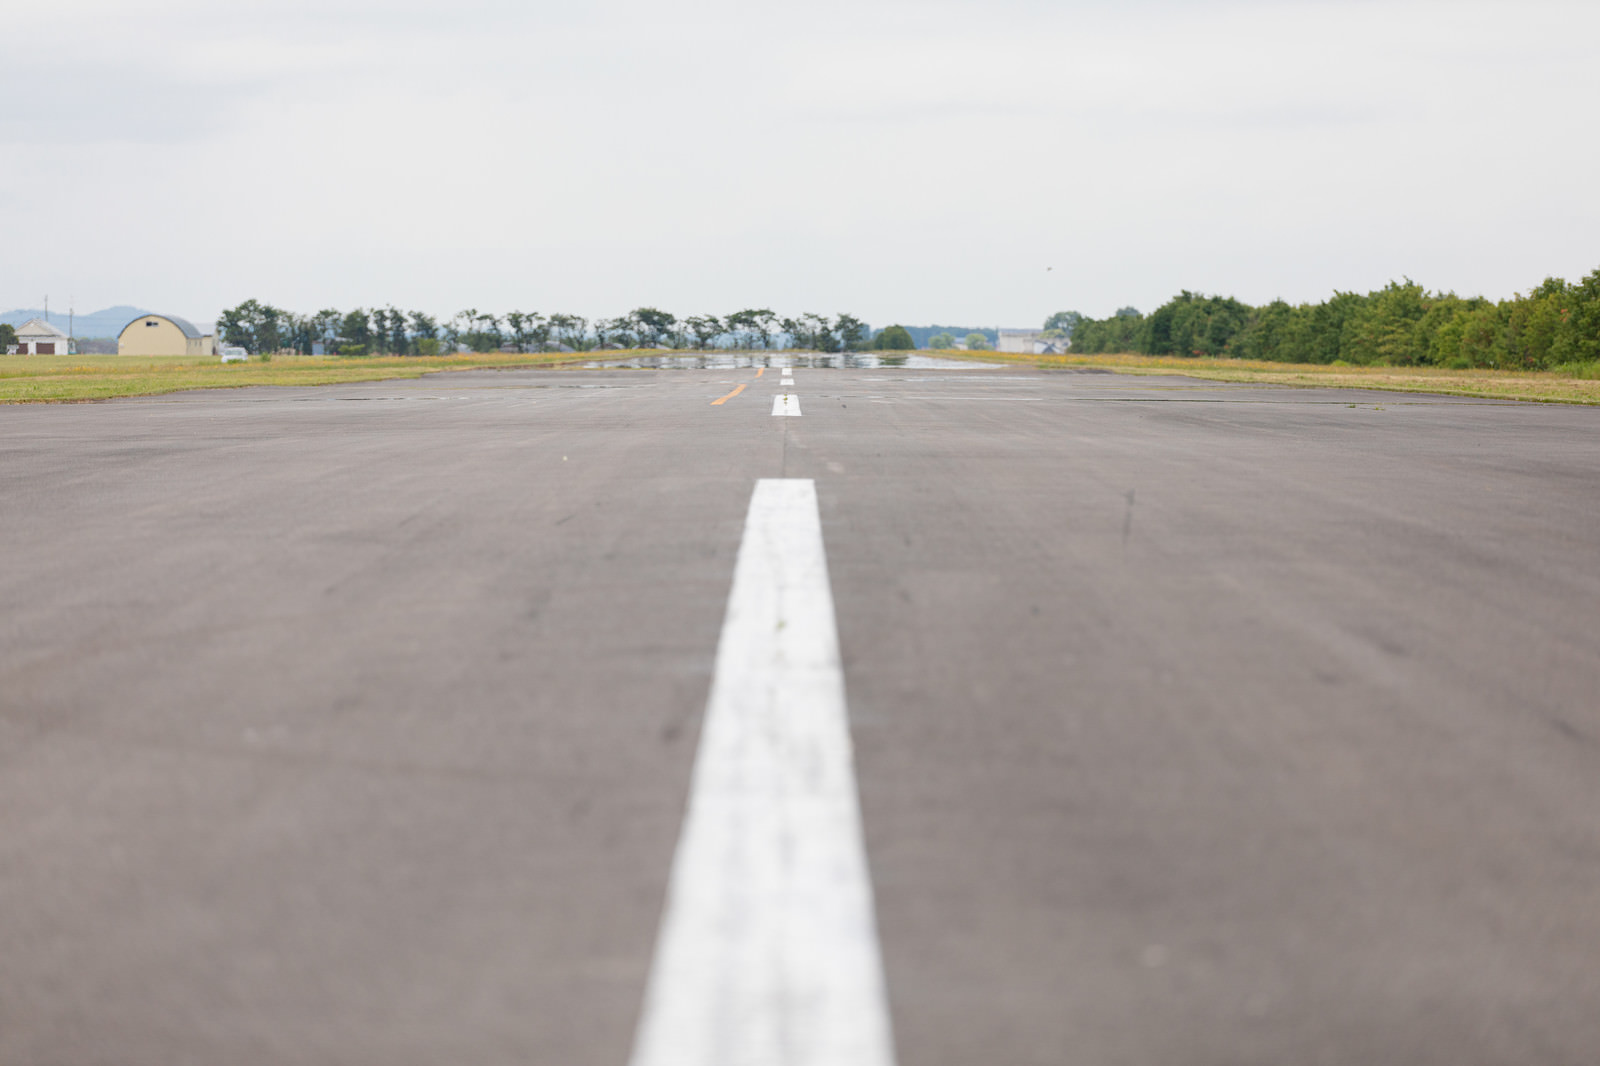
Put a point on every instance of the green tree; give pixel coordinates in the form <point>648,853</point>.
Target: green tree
<point>479,331</point>
<point>894,339</point>
<point>610,331</point>
<point>254,326</point>
<point>851,330</point>
<point>451,332</point>
<point>752,325</point>
<point>796,329</point>
<point>233,325</point>
<point>942,341</point>
<point>486,333</point>
<point>527,332</point>
<point>8,335</point>
<point>538,332</point>
<point>1267,332</point>
<point>1384,326</point>
<point>705,329</point>
<point>296,332</point>
<point>1062,322</point>
<point>1192,324</point>
<point>398,341</point>
<point>766,326</point>
<point>514,328</point>
<point>1124,331</point>
<point>380,330</point>
<point>1322,340</point>
<point>1583,318</point>
<point>741,325</point>
<point>1482,336</point>
<point>1444,345</point>
<point>324,328</point>
<point>571,330</point>
<point>650,325</point>
<point>355,333</point>
<point>1438,311</point>
<point>977,342</point>
<point>820,330</point>
<point>424,334</point>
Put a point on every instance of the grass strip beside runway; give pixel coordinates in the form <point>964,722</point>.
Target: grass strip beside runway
<point>1540,386</point>
<point>46,378</point>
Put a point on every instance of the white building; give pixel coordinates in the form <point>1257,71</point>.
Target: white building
<point>38,337</point>
<point>1030,342</point>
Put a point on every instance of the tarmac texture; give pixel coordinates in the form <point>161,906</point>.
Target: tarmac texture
<point>1193,723</point>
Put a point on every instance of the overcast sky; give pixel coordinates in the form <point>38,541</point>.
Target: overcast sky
<point>948,161</point>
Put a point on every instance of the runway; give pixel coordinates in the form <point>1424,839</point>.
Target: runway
<point>1190,723</point>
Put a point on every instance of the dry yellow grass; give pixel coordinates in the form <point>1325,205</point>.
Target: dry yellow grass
<point>45,378</point>
<point>1489,384</point>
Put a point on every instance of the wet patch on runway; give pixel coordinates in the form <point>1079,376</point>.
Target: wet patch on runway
<point>746,361</point>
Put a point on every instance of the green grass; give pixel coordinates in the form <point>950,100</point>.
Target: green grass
<point>1588,371</point>
<point>1574,383</point>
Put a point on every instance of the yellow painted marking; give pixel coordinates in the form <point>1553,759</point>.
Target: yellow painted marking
<point>724,399</point>
<point>760,371</point>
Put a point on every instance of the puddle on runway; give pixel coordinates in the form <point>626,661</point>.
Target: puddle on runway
<point>804,361</point>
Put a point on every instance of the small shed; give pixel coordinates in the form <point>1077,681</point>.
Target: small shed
<point>164,335</point>
<point>38,337</point>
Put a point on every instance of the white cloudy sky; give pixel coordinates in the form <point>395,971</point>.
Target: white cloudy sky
<point>907,160</point>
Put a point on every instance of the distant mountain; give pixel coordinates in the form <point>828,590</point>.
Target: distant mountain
<point>107,323</point>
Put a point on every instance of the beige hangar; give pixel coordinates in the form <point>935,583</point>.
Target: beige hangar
<point>164,335</point>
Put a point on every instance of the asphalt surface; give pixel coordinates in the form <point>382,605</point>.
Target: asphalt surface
<point>1194,723</point>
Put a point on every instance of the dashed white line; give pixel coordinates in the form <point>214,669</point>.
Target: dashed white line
<point>786,403</point>
<point>768,952</point>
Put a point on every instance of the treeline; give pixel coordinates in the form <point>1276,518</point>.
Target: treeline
<point>976,341</point>
<point>259,327</point>
<point>1557,324</point>
<point>923,335</point>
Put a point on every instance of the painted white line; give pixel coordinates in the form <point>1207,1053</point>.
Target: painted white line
<point>786,404</point>
<point>768,951</point>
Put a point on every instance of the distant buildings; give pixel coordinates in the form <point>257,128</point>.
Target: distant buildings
<point>1030,342</point>
<point>38,337</point>
<point>164,335</point>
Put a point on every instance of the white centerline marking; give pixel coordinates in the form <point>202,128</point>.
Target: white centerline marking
<point>786,404</point>
<point>768,952</point>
